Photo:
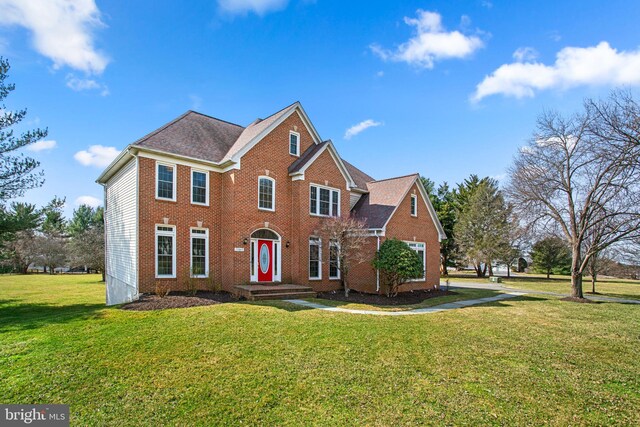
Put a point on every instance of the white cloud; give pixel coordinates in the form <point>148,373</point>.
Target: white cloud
<point>487,4</point>
<point>599,65</point>
<point>356,129</point>
<point>430,43</point>
<point>78,85</point>
<point>94,202</point>
<point>42,145</point>
<point>259,7</point>
<point>97,155</point>
<point>525,54</point>
<point>62,30</point>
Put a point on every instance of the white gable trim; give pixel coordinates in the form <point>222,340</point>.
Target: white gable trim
<point>295,108</point>
<point>299,175</point>
<point>432,212</point>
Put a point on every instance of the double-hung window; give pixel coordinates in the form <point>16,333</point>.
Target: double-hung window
<point>199,252</point>
<point>199,187</point>
<point>294,143</point>
<point>165,181</point>
<point>334,260</point>
<point>414,205</point>
<point>419,247</point>
<point>324,201</point>
<point>266,193</point>
<point>165,251</point>
<point>315,254</point>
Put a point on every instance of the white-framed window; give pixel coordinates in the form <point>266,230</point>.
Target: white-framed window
<point>294,143</point>
<point>165,251</point>
<point>199,187</point>
<point>315,256</point>
<point>419,247</point>
<point>165,181</point>
<point>324,201</point>
<point>334,260</point>
<point>266,193</point>
<point>199,252</point>
<point>414,205</point>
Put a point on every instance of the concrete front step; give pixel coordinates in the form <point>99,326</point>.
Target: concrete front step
<point>283,295</point>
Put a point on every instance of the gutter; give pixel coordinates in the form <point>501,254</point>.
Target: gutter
<point>377,270</point>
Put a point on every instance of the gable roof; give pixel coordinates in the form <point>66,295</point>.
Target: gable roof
<point>306,157</point>
<point>193,135</point>
<point>376,208</point>
<point>312,153</point>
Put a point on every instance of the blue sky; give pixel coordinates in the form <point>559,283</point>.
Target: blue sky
<point>441,88</point>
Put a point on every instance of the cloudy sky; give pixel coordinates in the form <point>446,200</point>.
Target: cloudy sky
<point>441,88</point>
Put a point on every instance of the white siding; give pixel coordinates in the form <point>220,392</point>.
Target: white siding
<point>121,235</point>
<point>353,199</point>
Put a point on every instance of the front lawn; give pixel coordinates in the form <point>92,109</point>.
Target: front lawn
<point>524,361</point>
<point>610,287</point>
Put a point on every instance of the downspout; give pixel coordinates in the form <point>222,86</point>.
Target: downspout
<point>377,270</point>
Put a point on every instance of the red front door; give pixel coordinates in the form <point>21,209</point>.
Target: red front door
<point>265,264</point>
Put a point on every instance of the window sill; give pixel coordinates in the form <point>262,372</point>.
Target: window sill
<point>165,277</point>
<point>162,199</point>
<point>315,279</point>
<point>324,216</point>
<point>200,277</point>
<point>266,210</point>
<point>200,204</point>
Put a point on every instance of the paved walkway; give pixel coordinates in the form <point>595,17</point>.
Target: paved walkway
<point>501,288</point>
<point>426,310</point>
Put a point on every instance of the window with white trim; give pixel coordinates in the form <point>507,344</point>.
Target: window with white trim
<point>294,143</point>
<point>165,181</point>
<point>199,252</point>
<point>324,201</point>
<point>419,247</point>
<point>414,205</point>
<point>315,254</point>
<point>266,193</point>
<point>165,251</point>
<point>199,187</point>
<point>334,260</point>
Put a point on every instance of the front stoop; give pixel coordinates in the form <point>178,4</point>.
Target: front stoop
<point>259,292</point>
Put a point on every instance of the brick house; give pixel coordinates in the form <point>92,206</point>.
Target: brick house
<point>236,205</point>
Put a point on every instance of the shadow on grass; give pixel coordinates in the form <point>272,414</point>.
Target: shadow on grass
<point>35,315</point>
<point>279,304</point>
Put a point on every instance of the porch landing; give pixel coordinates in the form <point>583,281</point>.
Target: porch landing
<point>258,292</point>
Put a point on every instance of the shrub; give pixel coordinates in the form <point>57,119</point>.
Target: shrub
<point>162,288</point>
<point>398,264</point>
<point>212,285</point>
<point>190,282</point>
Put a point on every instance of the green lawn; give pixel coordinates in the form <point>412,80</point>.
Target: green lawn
<point>610,287</point>
<point>524,361</point>
<point>460,295</point>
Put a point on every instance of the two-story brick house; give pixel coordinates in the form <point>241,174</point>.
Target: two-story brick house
<point>236,205</point>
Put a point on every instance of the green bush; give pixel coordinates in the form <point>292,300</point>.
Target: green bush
<point>398,264</point>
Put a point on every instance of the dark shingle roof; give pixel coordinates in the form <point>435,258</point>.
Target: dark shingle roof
<point>359,177</point>
<point>194,135</point>
<point>384,196</point>
<point>301,161</point>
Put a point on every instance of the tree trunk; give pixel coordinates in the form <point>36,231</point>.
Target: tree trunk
<point>104,279</point>
<point>593,282</point>
<point>443,266</point>
<point>478,268</point>
<point>508,271</point>
<point>490,268</point>
<point>548,273</point>
<point>576,273</point>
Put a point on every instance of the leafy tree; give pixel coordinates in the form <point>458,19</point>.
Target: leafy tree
<point>20,224</point>
<point>483,225</point>
<point>17,171</point>
<point>349,237</point>
<point>398,264</point>
<point>581,173</point>
<point>445,205</point>
<point>549,255</point>
<point>53,221</point>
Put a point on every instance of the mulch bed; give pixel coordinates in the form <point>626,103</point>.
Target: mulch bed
<point>148,302</point>
<point>403,298</point>
<point>580,300</point>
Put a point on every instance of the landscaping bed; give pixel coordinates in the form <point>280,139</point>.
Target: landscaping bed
<point>403,298</point>
<point>148,302</point>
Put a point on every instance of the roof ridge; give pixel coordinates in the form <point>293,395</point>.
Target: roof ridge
<point>163,127</point>
<point>397,177</point>
<point>214,118</point>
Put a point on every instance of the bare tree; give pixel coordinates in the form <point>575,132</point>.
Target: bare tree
<point>25,250</point>
<point>347,236</point>
<point>580,173</point>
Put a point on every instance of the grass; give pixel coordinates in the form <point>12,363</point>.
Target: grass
<point>611,287</point>
<point>522,361</point>
<point>461,294</point>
